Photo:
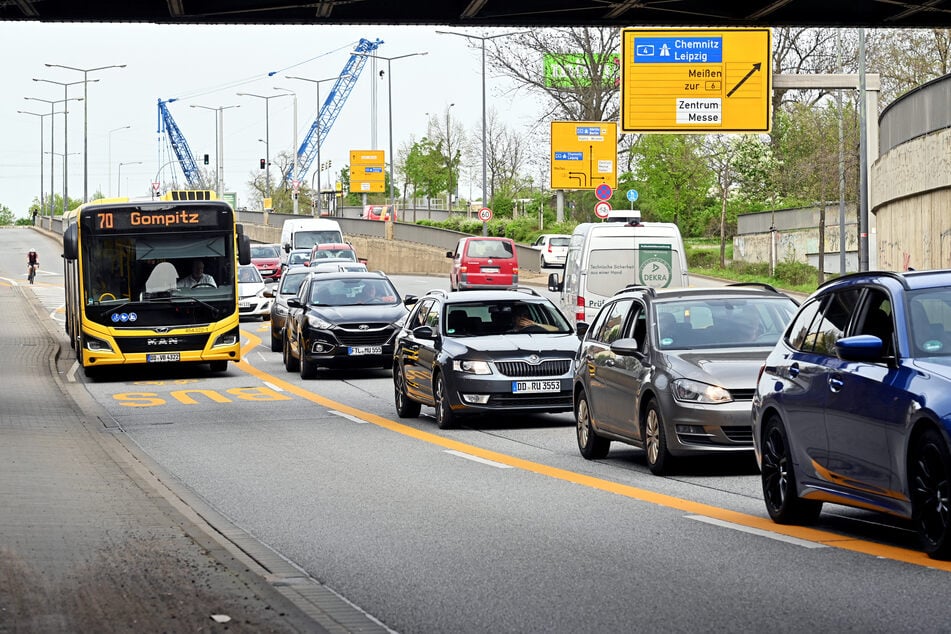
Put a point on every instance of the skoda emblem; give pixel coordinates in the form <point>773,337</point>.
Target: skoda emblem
<point>534,359</point>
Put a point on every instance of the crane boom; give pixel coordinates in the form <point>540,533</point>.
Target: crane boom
<point>180,146</point>
<point>332,107</point>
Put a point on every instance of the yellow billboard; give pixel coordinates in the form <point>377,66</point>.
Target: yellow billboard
<point>696,80</point>
<point>583,154</point>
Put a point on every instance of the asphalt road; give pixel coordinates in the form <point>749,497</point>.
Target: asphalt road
<point>500,525</point>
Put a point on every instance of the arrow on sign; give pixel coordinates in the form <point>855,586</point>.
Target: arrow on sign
<point>755,69</point>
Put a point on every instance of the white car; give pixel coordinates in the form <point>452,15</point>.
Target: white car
<point>251,299</point>
<point>552,248</point>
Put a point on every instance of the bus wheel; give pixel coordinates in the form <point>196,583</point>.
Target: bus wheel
<point>218,366</point>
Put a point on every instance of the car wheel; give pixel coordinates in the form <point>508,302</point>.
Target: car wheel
<point>308,368</point>
<point>275,342</point>
<point>659,460</point>
<point>541,262</point>
<point>443,408</point>
<point>592,446</point>
<point>290,363</point>
<point>405,406</point>
<point>779,479</point>
<point>930,470</point>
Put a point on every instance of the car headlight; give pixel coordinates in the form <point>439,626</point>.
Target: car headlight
<point>471,367</point>
<point>318,324</point>
<point>697,392</point>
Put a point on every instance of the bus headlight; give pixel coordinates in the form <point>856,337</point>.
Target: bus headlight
<point>229,338</point>
<point>96,345</point>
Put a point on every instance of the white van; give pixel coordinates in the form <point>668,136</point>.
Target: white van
<point>304,233</point>
<point>604,257</point>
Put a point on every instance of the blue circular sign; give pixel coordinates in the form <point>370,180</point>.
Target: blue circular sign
<point>632,195</point>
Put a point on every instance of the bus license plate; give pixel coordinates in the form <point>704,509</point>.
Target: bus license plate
<point>359,350</point>
<point>535,387</point>
<point>163,357</point>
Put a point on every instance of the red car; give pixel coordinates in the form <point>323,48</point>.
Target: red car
<point>483,263</point>
<point>379,212</point>
<point>267,259</point>
<point>334,250</point>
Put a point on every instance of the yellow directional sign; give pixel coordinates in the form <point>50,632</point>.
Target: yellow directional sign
<point>695,80</point>
<point>583,154</point>
<point>367,171</point>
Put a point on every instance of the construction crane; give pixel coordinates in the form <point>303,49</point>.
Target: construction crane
<point>183,153</point>
<point>331,108</point>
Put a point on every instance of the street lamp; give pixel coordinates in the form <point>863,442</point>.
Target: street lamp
<point>42,184</point>
<point>389,91</point>
<point>86,80</point>
<point>449,155</point>
<point>295,184</point>
<point>483,38</point>
<point>52,154</point>
<point>320,141</point>
<point>109,135</point>
<point>119,176</point>
<point>219,143</point>
<point>52,104</point>
<point>267,135</point>
<point>65,86</point>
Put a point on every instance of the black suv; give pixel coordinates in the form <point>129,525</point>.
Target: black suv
<point>468,352</point>
<point>673,371</point>
<point>341,320</point>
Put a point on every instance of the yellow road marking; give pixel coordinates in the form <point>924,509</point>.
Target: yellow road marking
<point>833,540</point>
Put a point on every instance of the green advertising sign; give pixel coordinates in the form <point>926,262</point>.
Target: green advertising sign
<point>655,265</point>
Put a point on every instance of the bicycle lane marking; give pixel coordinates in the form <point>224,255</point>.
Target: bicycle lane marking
<point>690,507</point>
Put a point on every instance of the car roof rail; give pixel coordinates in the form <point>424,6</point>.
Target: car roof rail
<point>762,285</point>
<point>437,291</point>
<point>650,290</point>
<point>899,277</point>
<point>528,289</point>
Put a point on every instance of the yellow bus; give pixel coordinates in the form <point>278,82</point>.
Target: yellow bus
<point>132,294</point>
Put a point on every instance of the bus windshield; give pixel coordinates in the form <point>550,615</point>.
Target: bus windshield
<point>158,280</point>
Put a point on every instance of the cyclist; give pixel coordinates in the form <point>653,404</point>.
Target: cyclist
<point>32,263</point>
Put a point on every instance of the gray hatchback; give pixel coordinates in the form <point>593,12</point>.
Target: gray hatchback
<point>673,371</point>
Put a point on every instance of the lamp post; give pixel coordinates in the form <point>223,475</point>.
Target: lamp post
<point>449,155</point>
<point>119,175</point>
<point>109,181</point>
<point>219,143</point>
<point>267,136</point>
<point>65,86</point>
<point>482,39</point>
<point>52,104</point>
<point>295,184</point>
<point>320,141</point>
<point>85,82</point>
<point>389,91</point>
<point>42,179</point>
<point>52,154</point>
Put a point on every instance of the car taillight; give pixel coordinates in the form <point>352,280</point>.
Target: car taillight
<point>549,247</point>
<point>463,269</point>
<point>579,314</point>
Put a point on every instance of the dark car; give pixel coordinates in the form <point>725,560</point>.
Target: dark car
<point>290,283</point>
<point>673,371</point>
<point>477,352</point>
<point>342,320</point>
<point>853,405</point>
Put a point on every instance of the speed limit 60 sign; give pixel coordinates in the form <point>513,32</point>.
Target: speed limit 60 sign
<point>485,214</point>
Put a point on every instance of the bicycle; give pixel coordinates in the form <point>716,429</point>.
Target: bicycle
<point>32,273</point>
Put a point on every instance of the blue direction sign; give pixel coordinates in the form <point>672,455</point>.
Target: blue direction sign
<point>632,195</point>
<point>603,192</point>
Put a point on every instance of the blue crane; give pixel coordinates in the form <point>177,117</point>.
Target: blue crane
<point>179,145</point>
<point>332,107</point>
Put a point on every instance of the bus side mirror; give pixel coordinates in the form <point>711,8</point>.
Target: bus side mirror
<point>244,249</point>
<point>71,242</point>
<point>554,284</point>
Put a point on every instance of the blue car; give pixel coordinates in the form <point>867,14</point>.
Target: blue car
<point>853,405</point>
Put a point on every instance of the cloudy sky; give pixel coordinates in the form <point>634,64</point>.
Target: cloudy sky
<point>207,66</point>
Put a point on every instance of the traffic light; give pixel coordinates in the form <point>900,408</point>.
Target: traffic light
<point>206,159</point>
<point>263,164</point>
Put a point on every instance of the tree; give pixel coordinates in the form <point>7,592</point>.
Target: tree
<point>907,58</point>
<point>6,216</point>
<point>425,169</point>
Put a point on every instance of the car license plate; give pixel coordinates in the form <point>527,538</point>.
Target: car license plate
<point>244,303</point>
<point>163,357</point>
<point>534,387</point>
<point>359,350</point>
<point>490,269</point>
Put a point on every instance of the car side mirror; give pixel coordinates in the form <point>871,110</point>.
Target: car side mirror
<point>582,329</point>
<point>555,285</point>
<point>626,347</point>
<point>449,254</point>
<point>293,302</point>
<point>410,300</point>
<point>424,332</point>
<point>860,348</point>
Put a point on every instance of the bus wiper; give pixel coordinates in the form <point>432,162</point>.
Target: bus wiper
<point>184,299</point>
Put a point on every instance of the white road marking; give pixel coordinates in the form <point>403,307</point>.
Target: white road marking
<point>71,373</point>
<point>755,531</point>
<point>349,417</point>
<point>273,387</point>
<point>491,463</point>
